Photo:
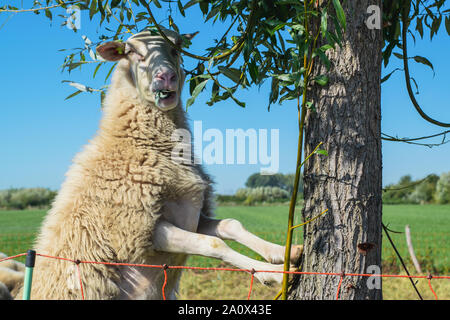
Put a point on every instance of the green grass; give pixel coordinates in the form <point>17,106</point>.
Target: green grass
<point>430,229</point>
<point>430,233</point>
<point>18,229</point>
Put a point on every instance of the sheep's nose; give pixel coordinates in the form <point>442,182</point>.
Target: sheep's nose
<point>168,77</point>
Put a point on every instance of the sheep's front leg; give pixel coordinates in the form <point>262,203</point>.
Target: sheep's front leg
<point>169,238</point>
<point>231,229</point>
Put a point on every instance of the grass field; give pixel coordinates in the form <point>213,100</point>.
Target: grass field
<point>430,229</point>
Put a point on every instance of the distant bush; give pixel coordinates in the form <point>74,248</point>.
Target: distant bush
<point>425,191</point>
<point>428,190</point>
<point>26,198</point>
<point>443,188</point>
<point>251,196</point>
<point>283,181</point>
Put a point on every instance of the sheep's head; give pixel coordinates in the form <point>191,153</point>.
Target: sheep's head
<point>154,65</point>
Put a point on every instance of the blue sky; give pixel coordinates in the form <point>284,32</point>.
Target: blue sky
<point>41,132</point>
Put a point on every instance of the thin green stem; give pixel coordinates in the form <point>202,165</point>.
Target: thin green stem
<point>287,255</point>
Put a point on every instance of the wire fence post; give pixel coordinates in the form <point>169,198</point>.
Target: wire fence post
<point>29,266</point>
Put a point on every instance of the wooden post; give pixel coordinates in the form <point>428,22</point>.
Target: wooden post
<point>411,250</point>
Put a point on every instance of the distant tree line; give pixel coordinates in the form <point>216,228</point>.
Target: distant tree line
<point>24,198</point>
<point>282,181</point>
<point>264,189</point>
<point>278,188</point>
<point>259,188</point>
<point>432,189</point>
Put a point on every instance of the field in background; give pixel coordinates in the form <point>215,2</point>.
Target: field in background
<point>430,230</point>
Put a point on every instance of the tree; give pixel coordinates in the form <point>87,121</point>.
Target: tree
<point>325,55</point>
<point>348,181</point>
<point>443,188</point>
<point>259,180</point>
<point>425,191</point>
<point>283,181</point>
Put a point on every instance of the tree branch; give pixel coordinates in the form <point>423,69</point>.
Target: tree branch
<point>405,25</point>
<point>37,9</point>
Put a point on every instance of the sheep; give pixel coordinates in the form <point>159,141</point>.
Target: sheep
<point>125,200</point>
<point>11,277</point>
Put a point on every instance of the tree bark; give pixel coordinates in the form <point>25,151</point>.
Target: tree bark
<point>347,181</point>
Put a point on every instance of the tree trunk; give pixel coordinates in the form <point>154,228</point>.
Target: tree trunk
<point>347,181</point>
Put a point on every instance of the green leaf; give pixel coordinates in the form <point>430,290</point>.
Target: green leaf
<point>424,61</point>
<point>311,106</point>
<point>239,103</point>
<point>326,47</point>
<point>114,3</point>
<point>73,94</point>
<point>321,80</point>
<point>157,4</point>
<point>321,151</point>
<point>204,7</point>
<point>180,7</point>
<point>415,83</point>
<point>323,57</point>
<point>196,92</point>
<point>340,14</point>
<point>447,24</point>
<point>232,73</point>
<point>385,78</point>
<point>435,26</point>
<point>96,69</point>
<point>419,26</point>
<point>191,3</point>
<point>92,9</point>
<point>324,21</point>
<point>77,85</point>
<point>253,70</point>
<point>286,77</point>
<point>100,7</point>
<point>110,71</point>
<point>289,96</point>
<point>214,11</point>
<point>48,14</point>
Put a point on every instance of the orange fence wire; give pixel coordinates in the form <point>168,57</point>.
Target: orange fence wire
<point>251,272</point>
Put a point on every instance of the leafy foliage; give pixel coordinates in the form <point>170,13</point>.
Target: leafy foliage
<point>431,189</point>
<point>270,37</point>
<point>443,188</point>
<point>251,196</point>
<point>26,198</point>
<point>265,41</point>
<point>279,180</point>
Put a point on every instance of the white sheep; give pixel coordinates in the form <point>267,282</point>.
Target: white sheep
<point>126,200</point>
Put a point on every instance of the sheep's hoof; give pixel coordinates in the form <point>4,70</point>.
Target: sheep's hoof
<point>296,252</point>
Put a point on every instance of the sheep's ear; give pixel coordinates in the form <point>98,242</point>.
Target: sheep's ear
<point>112,51</point>
<point>190,36</point>
<point>186,39</point>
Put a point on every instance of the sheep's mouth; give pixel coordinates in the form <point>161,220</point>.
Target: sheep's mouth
<point>166,99</point>
<point>163,95</point>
